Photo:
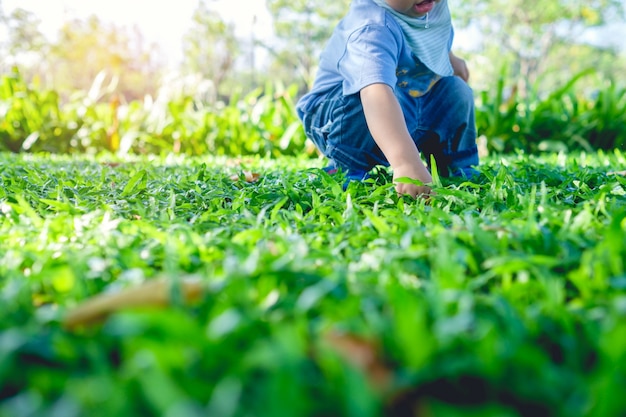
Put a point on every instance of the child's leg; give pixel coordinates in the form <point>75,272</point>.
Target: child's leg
<point>447,128</point>
<point>338,129</point>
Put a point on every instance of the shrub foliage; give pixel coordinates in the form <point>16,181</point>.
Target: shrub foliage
<point>264,121</point>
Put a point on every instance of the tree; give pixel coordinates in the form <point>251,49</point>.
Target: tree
<point>25,44</point>
<point>86,47</point>
<point>532,40</point>
<point>210,47</point>
<point>302,28</point>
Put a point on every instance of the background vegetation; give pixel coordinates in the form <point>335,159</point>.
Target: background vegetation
<point>543,84</point>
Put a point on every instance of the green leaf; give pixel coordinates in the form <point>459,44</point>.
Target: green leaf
<point>136,184</point>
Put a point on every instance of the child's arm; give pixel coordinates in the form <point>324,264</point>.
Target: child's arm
<point>386,123</point>
<point>459,66</point>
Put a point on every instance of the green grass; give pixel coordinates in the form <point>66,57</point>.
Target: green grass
<point>502,297</point>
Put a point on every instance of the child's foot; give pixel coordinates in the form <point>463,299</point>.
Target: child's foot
<point>350,175</point>
<point>331,168</point>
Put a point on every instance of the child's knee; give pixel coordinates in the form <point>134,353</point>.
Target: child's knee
<point>461,91</point>
<point>464,92</point>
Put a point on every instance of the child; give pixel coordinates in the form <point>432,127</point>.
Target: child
<point>386,90</point>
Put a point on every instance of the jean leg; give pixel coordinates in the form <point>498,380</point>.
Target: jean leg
<point>317,123</point>
<point>447,128</point>
<point>338,128</point>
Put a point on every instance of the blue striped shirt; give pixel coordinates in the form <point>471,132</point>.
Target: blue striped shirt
<point>428,36</point>
<point>369,46</point>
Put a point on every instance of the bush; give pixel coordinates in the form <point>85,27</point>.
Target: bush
<point>264,121</point>
<point>261,122</point>
<point>565,119</point>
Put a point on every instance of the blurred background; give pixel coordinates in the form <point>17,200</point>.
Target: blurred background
<point>213,76</point>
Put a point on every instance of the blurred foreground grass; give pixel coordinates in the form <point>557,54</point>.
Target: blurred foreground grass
<point>503,296</point>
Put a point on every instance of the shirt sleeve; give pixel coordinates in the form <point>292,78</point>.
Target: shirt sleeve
<point>371,56</point>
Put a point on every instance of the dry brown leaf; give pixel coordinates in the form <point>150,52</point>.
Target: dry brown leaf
<point>153,293</point>
<point>366,355</point>
<point>363,354</point>
<point>247,175</point>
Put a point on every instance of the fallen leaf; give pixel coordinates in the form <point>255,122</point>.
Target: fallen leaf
<point>247,175</point>
<point>363,354</point>
<point>153,293</point>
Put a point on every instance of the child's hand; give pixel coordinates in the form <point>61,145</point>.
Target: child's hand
<point>412,189</point>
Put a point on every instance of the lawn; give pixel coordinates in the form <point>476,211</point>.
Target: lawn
<point>502,296</point>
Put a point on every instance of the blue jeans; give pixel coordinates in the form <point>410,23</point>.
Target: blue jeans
<point>440,122</point>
